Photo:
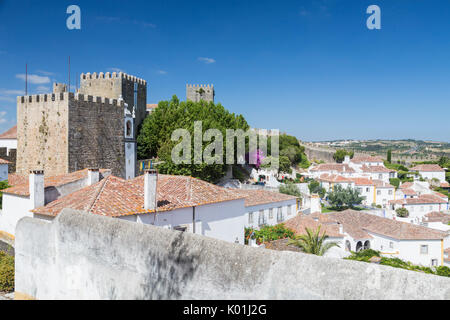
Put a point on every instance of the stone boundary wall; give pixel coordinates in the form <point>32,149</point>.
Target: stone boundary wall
<point>82,256</point>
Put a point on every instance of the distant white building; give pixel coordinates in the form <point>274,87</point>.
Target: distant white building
<point>8,139</point>
<point>356,230</point>
<point>430,171</point>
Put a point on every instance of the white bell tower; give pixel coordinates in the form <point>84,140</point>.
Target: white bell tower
<point>130,144</point>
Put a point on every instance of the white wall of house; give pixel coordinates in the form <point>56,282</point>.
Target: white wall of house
<point>14,208</point>
<point>367,192</point>
<point>270,212</point>
<point>384,195</point>
<point>9,144</point>
<point>3,171</point>
<point>433,174</point>
<point>223,220</point>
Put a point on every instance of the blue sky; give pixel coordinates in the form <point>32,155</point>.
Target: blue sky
<point>310,68</point>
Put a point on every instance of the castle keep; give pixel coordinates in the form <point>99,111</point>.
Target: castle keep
<point>195,92</point>
<point>63,132</point>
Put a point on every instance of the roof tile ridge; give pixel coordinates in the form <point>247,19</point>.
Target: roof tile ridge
<point>105,180</point>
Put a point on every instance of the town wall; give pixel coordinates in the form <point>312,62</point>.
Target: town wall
<point>85,256</point>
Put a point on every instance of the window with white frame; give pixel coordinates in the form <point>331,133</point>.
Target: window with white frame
<point>289,210</point>
<point>391,245</point>
<point>424,249</point>
<point>261,218</point>
<point>379,192</point>
<point>250,217</point>
<point>390,192</point>
<point>279,214</point>
<point>380,177</point>
<point>271,213</point>
<point>367,189</point>
<point>434,262</point>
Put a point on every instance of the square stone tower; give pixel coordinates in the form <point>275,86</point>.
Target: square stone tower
<point>113,85</point>
<point>200,92</point>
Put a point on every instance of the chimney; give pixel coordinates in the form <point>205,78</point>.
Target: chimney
<point>93,176</point>
<point>150,180</point>
<point>36,185</point>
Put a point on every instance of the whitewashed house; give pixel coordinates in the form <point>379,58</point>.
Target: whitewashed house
<point>384,192</point>
<point>430,171</point>
<point>173,202</point>
<point>267,207</point>
<point>36,191</point>
<point>419,206</point>
<point>8,139</point>
<point>356,230</point>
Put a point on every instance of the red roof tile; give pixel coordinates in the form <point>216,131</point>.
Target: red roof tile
<point>115,196</point>
<point>3,161</point>
<point>10,133</point>
<point>258,197</point>
<point>427,168</point>
<point>299,224</point>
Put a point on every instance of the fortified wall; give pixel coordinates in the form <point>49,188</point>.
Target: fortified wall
<point>65,132</point>
<point>85,256</point>
<point>195,92</point>
<point>113,85</point>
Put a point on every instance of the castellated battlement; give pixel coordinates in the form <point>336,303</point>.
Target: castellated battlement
<point>199,86</point>
<point>113,75</point>
<point>67,96</point>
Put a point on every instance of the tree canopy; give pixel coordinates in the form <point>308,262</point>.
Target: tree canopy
<point>154,139</point>
<point>340,154</point>
<point>341,198</point>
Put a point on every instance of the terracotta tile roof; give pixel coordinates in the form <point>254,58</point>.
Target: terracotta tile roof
<point>382,184</point>
<point>363,182</point>
<point>371,169</point>
<point>438,217</point>
<point>151,106</point>
<point>440,195</point>
<point>366,222</point>
<point>3,161</point>
<point>359,159</point>
<point>10,133</point>
<point>447,251</point>
<point>338,167</point>
<point>116,197</point>
<point>409,192</point>
<point>422,199</point>
<point>427,168</point>
<point>23,189</point>
<point>334,178</point>
<point>258,197</point>
<point>15,179</point>
<point>299,224</point>
<point>406,185</point>
<point>445,185</point>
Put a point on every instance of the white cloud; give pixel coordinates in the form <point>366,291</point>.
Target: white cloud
<point>2,116</point>
<point>45,73</point>
<point>34,78</point>
<point>206,60</point>
<point>116,70</point>
<point>9,99</point>
<point>43,89</point>
<point>162,72</point>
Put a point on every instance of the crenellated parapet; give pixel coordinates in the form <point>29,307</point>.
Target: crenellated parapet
<point>66,96</point>
<point>112,75</point>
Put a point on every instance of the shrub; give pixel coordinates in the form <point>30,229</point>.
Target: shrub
<point>6,272</point>
<point>395,182</point>
<point>402,212</point>
<point>290,189</point>
<point>269,233</point>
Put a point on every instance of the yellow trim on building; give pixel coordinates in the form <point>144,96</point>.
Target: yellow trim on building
<point>374,194</point>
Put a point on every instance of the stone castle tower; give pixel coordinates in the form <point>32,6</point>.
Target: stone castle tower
<point>113,85</point>
<point>200,92</point>
<point>62,132</point>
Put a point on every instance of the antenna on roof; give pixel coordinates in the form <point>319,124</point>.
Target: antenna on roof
<point>26,79</point>
<point>69,74</point>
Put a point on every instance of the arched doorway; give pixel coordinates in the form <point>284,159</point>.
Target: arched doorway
<point>348,246</point>
<point>366,245</point>
<point>359,246</point>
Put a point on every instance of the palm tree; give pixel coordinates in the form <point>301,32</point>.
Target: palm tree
<point>312,242</point>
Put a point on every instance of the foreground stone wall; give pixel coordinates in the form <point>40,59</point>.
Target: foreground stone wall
<point>82,256</point>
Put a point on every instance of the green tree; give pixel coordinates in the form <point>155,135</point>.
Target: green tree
<point>389,155</point>
<point>314,187</point>
<point>341,198</point>
<point>339,155</point>
<point>3,185</point>
<point>313,242</point>
<point>285,165</point>
<point>154,139</point>
<point>290,189</point>
<point>402,212</point>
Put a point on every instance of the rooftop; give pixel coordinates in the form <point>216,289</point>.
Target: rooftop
<point>375,169</point>
<point>357,224</point>
<point>20,184</point>
<point>116,197</point>
<point>10,133</point>
<point>300,222</point>
<point>360,159</point>
<point>422,199</point>
<point>258,197</point>
<point>428,168</point>
<point>339,167</point>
